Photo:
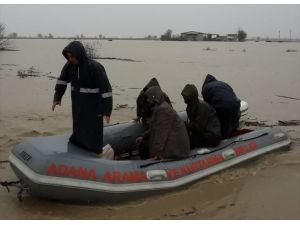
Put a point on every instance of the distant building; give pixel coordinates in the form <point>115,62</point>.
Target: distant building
<point>211,37</point>
<point>222,38</point>
<point>232,37</point>
<point>192,36</point>
<point>199,36</point>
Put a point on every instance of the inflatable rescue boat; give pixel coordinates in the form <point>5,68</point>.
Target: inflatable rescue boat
<point>51,167</point>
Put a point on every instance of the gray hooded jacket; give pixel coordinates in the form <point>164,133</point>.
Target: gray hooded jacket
<point>168,137</point>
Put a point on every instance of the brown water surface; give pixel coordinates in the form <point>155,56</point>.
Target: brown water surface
<point>265,188</point>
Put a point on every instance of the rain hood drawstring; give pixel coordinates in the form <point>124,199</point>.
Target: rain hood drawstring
<point>78,72</point>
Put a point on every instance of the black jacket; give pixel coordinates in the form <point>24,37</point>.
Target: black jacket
<point>222,97</point>
<point>91,95</point>
<point>203,120</point>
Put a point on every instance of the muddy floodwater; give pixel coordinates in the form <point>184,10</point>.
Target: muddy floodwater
<point>266,75</point>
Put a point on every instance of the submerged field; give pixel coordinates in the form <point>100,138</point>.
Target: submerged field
<point>266,75</point>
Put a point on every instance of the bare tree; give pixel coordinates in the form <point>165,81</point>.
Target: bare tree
<point>92,48</point>
<point>4,42</point>
<point>241,34</point>
<point>167,36</point>
<point>13,35</point>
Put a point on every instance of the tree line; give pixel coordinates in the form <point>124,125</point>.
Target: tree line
<point>167,36</point>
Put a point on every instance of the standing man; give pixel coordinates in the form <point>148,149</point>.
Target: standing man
<point>91,96</point>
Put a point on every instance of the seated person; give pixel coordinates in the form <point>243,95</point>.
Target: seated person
<point>204,128</point>
<point>167,136</point>
<point>222,97</point>
<point>142,111</point>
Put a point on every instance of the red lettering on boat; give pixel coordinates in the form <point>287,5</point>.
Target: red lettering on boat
<point>107,177</point>
<point>116,177</point>
<point>52,169</point>
<point>82,172</point>
<point>135,176</point>
<point>124,177</point>
<point>250,146</point>
<point>71,171</point>
<point>193,167</point>
<point>62,170</point>
<point>184,170</point>
<point>172,173</point>
<point>92,174</point>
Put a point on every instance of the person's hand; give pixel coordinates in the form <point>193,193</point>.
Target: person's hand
<point>55,103</point>
<point>139,140</point>
<point>106,119</point>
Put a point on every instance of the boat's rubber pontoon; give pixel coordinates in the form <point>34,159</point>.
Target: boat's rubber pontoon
<point>53,168</point>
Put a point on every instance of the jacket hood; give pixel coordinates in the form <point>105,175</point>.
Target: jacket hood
<point>77,50</point>
<point>151,83</point>
<point>155,93</point>
<point>190,93</point>
<point>209,78</point>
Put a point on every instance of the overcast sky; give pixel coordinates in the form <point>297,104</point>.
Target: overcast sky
<point>142,20</point>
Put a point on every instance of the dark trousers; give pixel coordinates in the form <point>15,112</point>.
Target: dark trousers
<point>229,119</point>
<point>144,150</point>
<point>202,142</point>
